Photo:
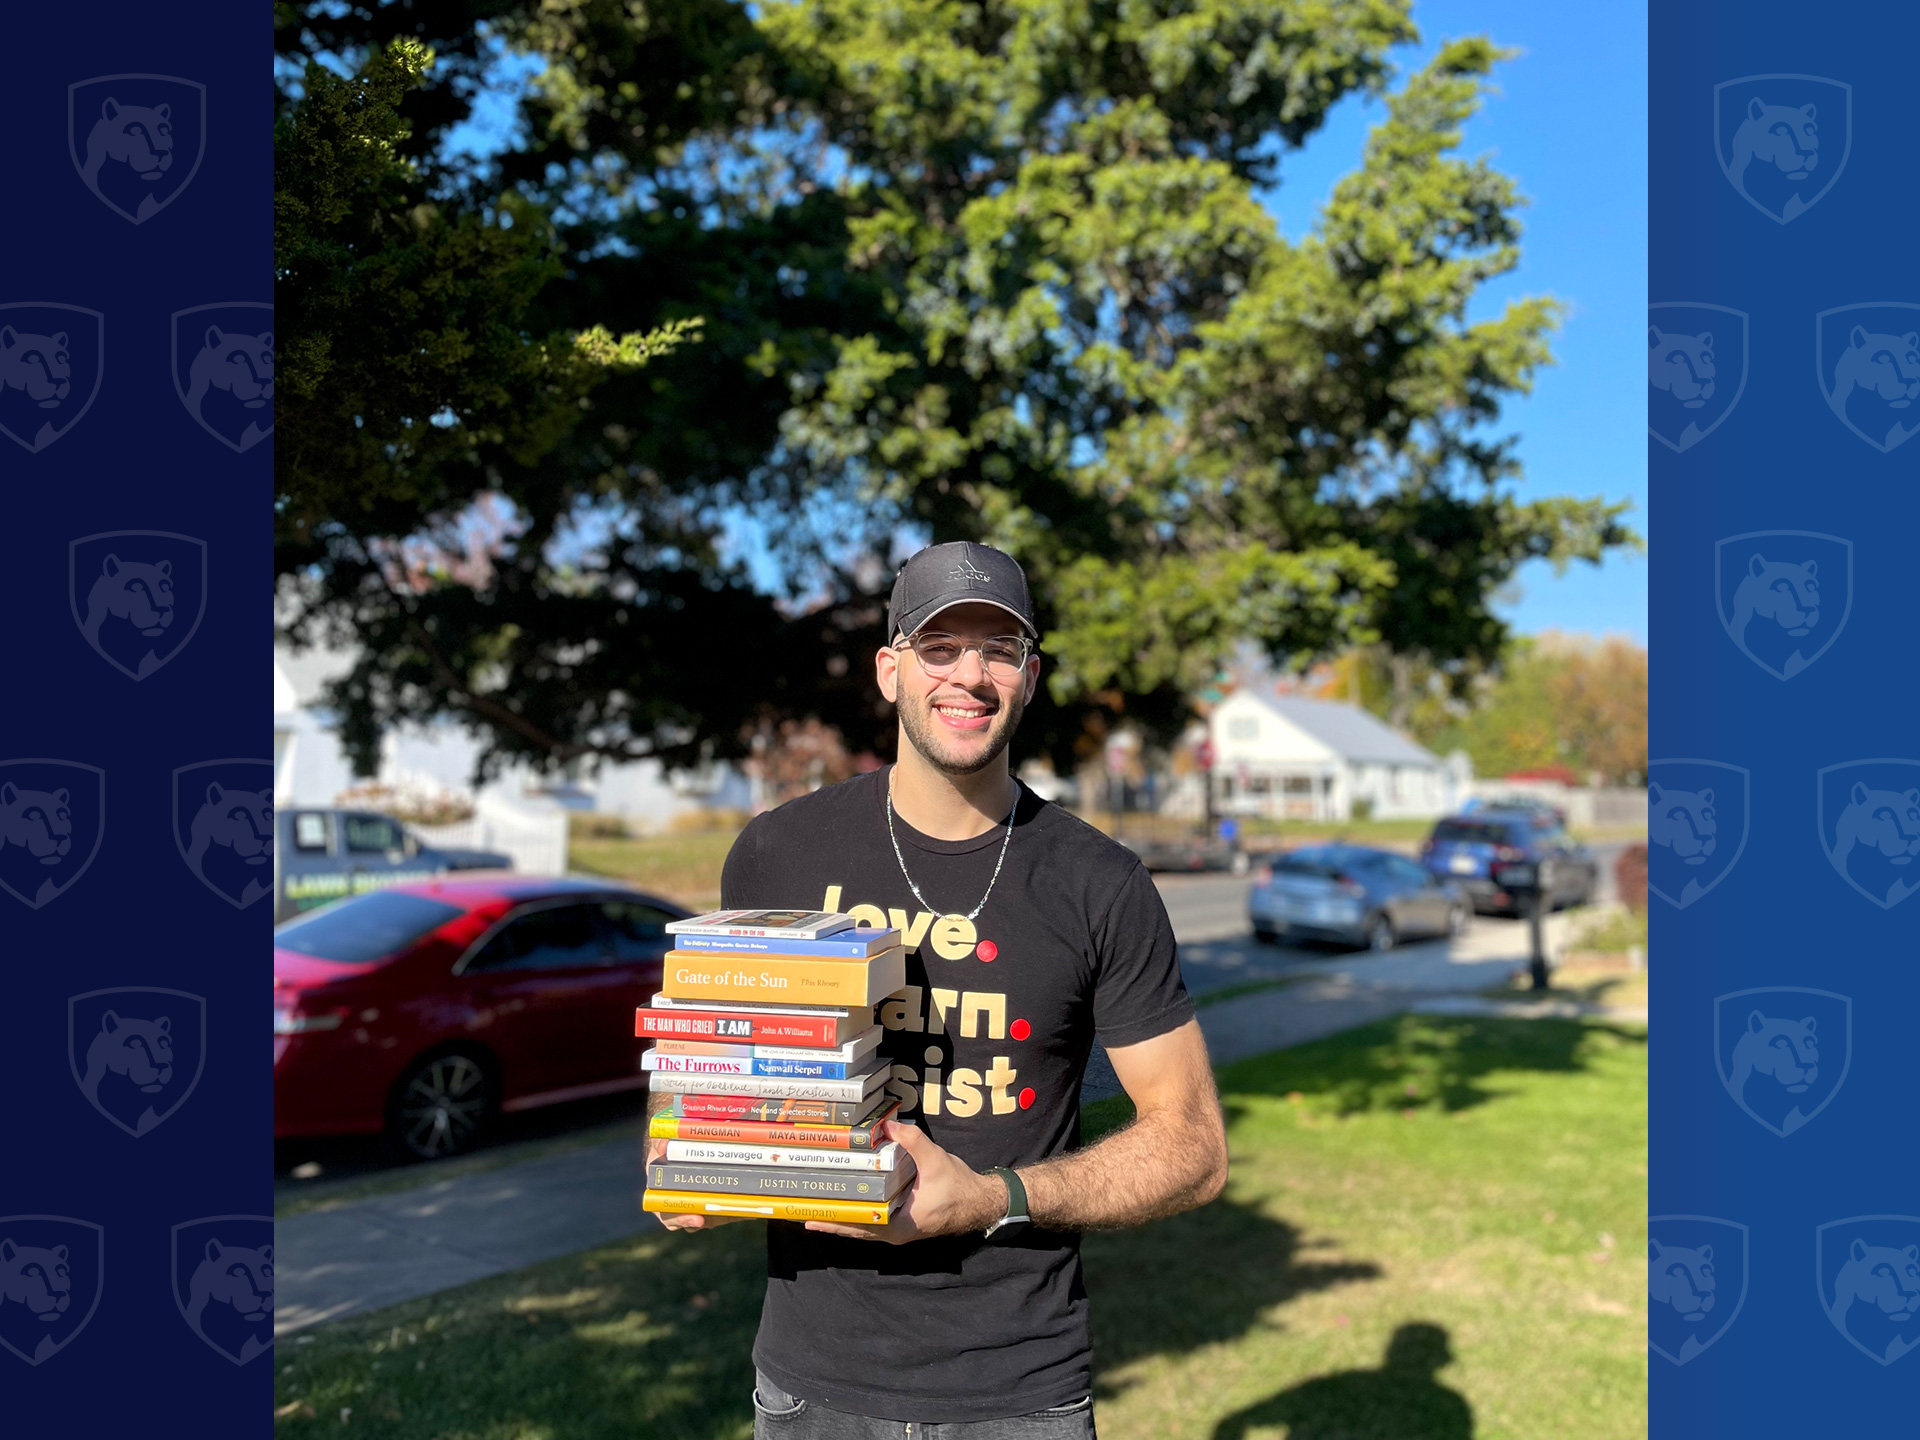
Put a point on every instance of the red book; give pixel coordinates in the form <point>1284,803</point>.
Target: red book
<point>752,1027</point>
<point>867,1136</point>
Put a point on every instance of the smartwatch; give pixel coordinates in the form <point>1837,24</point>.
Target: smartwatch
<point>1016,1201</point>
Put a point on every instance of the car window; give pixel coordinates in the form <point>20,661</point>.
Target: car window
<point>366,928</point>
<point>1406,872</point>
<point>1480,832</point>
<point>1319,863</point>
<point>310,832</point>
<point>373,835</point>
<point>639,931</point>
<point>554,937</point>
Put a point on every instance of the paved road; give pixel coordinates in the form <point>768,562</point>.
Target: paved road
<point>445,1232</point>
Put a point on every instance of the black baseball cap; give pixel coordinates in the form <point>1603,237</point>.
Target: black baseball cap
<point>958,573</point>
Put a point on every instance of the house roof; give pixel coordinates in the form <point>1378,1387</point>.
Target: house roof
<point>1347,730</point>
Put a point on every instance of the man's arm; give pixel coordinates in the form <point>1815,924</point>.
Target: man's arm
<point>1173,1157</point>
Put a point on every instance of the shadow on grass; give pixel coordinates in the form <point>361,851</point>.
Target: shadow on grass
<point>1410,1061</point>
<point>1400,1400</point>
<point>1198,1279</point>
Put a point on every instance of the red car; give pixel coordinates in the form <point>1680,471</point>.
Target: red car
<point>427,1009</point>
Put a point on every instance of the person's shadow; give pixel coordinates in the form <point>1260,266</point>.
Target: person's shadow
<point>1400,1401</point>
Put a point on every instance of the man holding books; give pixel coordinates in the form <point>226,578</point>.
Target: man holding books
<point>1026,934</point>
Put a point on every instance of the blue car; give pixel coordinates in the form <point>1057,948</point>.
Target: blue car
<point>1353,895</point>
<point>1470,850</point>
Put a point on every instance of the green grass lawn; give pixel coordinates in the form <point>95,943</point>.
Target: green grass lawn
<point>1432,1232</point>
<point>683,867</point>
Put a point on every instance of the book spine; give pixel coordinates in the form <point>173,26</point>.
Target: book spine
<point>696,1152</point>
<point>771,1112</point>
<point>775,1087</point>
<point>751,1029</point>
<point>767,1207</point>
<point>756,1132</point>
<point>745,1065</point>
<point>870,943</point>
<point>852,1051</point>
<point>806,1184</point>
<point>824,982</point>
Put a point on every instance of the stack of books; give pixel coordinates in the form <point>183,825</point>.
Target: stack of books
<point>766,1035</point>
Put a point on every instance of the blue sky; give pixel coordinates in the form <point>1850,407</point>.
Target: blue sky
<point>1570,126</point>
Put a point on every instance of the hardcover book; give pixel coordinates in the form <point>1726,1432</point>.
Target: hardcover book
<point>775,1087</point>
<point>842,945</point>
<point>701,1152</point>
<point>666,1019</point>
<point>695,976</point>
<point>778,1112</point>
<point>769,1207</point>
<point>808,1183</point>
<point>858,1048</point>
<point>792,924</point>
<point>866,1135</point>
<point>662,1063</point>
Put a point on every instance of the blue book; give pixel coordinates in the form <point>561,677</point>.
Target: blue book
<point>847,945</point>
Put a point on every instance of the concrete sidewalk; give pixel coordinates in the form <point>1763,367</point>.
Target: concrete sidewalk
<point>378,1251</point>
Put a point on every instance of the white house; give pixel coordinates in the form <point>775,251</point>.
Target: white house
<point>1290,757</point>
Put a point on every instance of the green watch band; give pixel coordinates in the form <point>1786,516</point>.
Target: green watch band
<point>1016,1201</point>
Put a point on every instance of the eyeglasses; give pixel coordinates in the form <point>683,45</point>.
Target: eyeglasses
<point>1003,657</point>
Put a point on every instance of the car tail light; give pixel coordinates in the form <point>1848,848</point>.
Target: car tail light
<point>1352,887</point>
<point>1508,852</point>
<point>1264,875</point>
<point>295,1021</point>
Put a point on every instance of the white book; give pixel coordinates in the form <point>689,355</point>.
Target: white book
<point>794,924</point>
<point>769,1087</point>
<point>858,1048</point>
<point>702,1152</point>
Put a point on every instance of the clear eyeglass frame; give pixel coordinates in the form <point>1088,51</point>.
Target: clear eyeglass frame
<point>1008,659</point>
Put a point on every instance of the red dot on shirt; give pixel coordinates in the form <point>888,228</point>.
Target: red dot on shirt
<point>1026,1098</point>
<point>1020,1029</point>
<point>987,951</point>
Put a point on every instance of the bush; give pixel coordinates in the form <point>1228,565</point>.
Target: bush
<point>707,820</point>
<point>590,826</point>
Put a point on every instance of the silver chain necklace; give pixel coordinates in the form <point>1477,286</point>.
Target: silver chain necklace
<point>926,904</point>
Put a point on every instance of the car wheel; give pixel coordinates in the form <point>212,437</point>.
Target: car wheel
<point>1264,935</point>
<point>1459,919</point>
<point>1380,934</point>
<point>442,1106</point>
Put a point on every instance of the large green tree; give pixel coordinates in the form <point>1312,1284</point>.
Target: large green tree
<point>987,270</point>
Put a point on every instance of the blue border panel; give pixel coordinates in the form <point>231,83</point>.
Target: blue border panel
<point>136,419</point>
<point>1783,397</point>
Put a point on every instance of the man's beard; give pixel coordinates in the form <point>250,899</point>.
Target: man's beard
<point>916,718</point>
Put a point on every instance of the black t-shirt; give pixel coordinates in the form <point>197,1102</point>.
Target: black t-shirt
<point>988,1047</point>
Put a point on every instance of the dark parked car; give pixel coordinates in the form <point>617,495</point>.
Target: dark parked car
<point>1354,895</point>
<point>1470,850</point>
<point>428,1008</point>
<point>322,854</point>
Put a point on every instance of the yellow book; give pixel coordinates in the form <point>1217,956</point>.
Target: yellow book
<point>770,1207</point>
<point>704,975</point>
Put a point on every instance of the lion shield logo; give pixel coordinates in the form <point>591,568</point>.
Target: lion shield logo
<point>1868,812</point>
<point>223,1282</point>
<point>137,140</point>
<point>223,370</point>
<point>1696,370</point>
<point>51,360</point>
<point>1866,359</point>
<point>1784,595</point>
<point>51,1270</point>
<point>1696,826</point>
<point>1867,1269</point>
<point>1782,140</point>
<point>1783,1053</point>
<point>53,814</point>
<point>136,1052</point>
<point>1696,1282</point>
<point>138,596</point>
<point>223,826</point>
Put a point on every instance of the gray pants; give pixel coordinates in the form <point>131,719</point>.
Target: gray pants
<point>780,1416</point>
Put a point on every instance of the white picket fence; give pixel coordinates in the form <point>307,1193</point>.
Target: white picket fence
<point>535,838</point>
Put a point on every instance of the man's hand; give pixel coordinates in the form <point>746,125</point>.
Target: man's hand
<point>656,1149</point>
<point>946,1196</point>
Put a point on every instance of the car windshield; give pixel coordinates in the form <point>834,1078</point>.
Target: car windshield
<point>365,928</point>
<point>1483,832</point>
